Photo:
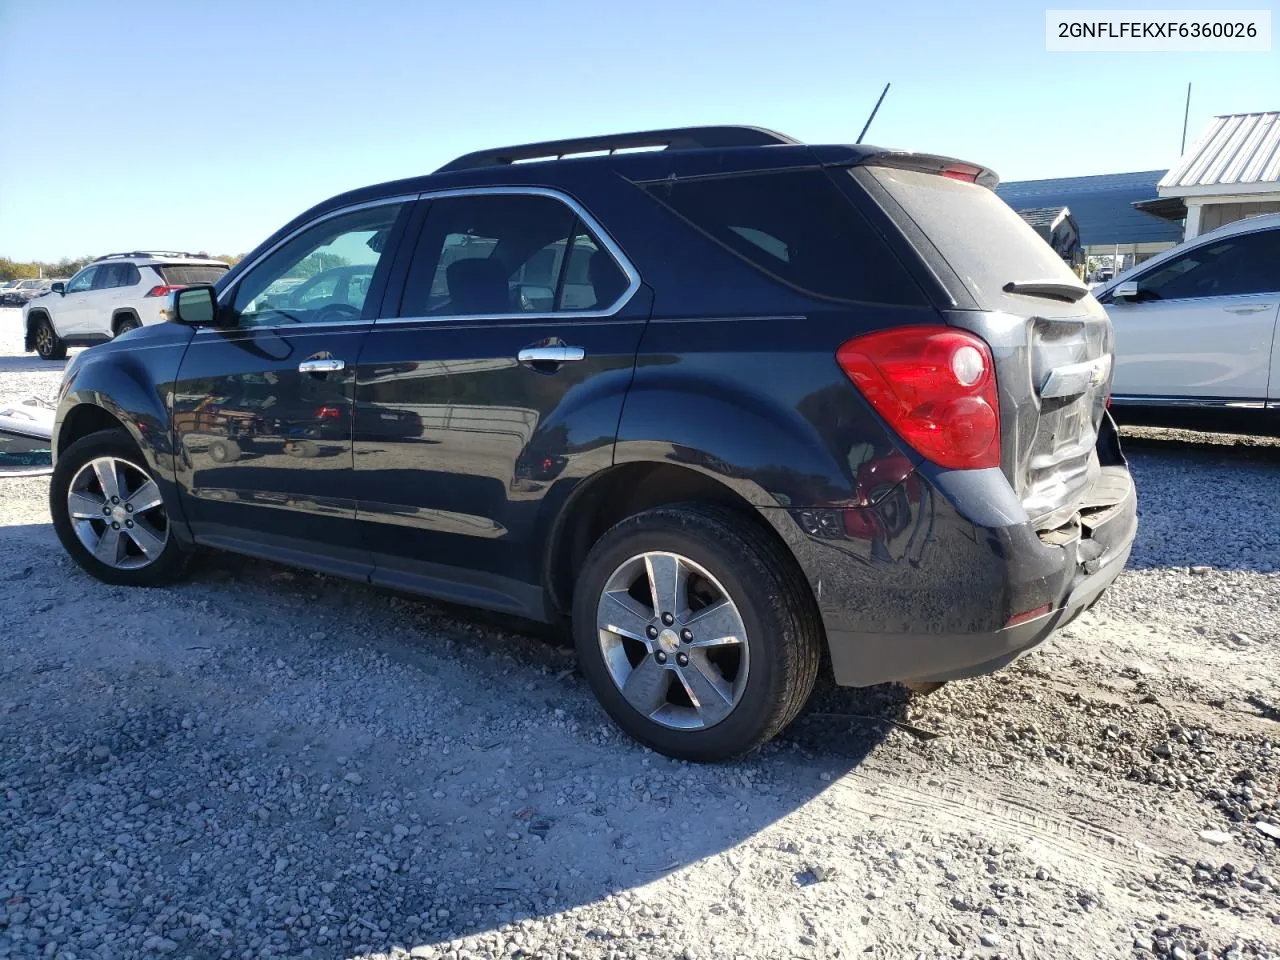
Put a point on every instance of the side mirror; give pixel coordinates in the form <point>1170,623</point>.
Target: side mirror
<point>195,306</point>
<point>1125,291</point>
<point>60,288</point>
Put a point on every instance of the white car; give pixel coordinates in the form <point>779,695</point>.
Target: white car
<point>1195,329</point>
<point>111,296</point>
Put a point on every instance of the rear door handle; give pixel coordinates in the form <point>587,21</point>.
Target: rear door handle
<point>1257,309</point>
<point>554,354</point>
<point>321,366</point>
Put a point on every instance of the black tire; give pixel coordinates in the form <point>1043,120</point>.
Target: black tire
<point>48,344</point>
<point>126,324</point>
<point>783,628</point>
<point>170,562</point>
<point>303,449</point>
<point>224,451</point>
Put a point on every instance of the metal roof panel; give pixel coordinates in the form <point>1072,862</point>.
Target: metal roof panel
<point>1240,148</point>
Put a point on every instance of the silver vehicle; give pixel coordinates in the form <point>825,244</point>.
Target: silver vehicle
<point>1195,330</point>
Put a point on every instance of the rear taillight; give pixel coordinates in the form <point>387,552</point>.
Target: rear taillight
<point>163,291</point>
<point>936,386</point>
<point>327,413</point>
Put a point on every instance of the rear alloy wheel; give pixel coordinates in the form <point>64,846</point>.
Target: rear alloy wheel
<point>48,344</point>
<point>127,324</point>
<point>110,514</point>
<point>685,669</point>
<point>696,631</point>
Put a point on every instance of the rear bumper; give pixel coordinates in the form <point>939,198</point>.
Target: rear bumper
<point>945,579</point>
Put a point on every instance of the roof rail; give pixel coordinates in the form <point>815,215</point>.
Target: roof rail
<point>681,138</point>
<point>150,253</point>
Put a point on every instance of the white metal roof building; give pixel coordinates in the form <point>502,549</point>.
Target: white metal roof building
<point>1231,172</point>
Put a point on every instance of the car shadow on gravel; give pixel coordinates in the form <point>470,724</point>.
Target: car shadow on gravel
<point>30,363</point>
<point>443,776</point>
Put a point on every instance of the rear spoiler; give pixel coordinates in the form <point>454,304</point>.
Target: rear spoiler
<point>950,167</point>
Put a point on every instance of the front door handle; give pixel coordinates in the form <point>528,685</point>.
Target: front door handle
<point>1257,309</point>
<point>551,354</point>
<point>321,366</point>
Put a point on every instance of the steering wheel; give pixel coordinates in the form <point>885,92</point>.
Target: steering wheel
<point>333,312</point>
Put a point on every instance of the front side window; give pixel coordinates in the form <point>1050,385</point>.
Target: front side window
<point>508,254</point>
<point>1230,267</point>
<point>305,280</point>
<point>82,281</point>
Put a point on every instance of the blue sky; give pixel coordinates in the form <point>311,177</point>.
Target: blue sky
<point>206,126</point>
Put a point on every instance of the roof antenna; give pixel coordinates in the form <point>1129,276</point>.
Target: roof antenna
<point>874,111</point>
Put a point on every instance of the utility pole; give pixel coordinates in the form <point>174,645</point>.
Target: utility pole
<point>1185,114</point>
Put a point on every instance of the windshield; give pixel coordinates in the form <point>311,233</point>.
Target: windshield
<point>979,235</point>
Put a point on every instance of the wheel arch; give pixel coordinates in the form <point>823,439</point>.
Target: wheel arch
<point>84,419</point>
<point>121,314</point>
<point>29,327</point>
<point>613,494</point>
<point>81,419</point>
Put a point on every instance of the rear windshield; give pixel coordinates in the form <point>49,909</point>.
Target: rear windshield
<point>980,237</point>
<point>179,274</point>
<point>797,227</point>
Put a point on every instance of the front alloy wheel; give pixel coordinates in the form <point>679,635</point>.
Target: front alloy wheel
<point>110,513</point>
<point>117,513</point>
<point>48,345</point>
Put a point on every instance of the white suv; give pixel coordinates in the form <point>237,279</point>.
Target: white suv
<point>112,295</point>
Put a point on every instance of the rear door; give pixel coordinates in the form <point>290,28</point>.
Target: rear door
<point>114,287</point>
<point>495,387</point>
<point>262,412</point>
<point>1201,326</point>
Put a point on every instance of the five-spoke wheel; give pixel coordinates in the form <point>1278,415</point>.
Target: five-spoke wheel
<point>696,630</point>
<point>118,513</point>
<point>673,640</point>
<point>110,513</point>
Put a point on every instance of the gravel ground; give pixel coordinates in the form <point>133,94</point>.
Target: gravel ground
<point>261,762</point>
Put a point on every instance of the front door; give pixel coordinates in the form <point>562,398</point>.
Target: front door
<point>262,412</point>
<point>1202,324</point>
<point>495,387</point>
<point>76,304</point>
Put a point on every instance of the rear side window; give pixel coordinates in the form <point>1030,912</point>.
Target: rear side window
<point>1233,266</point>
<point>505,255</point>
<point>184,274</point>
<point>797,227</point>
<point>979,235</point>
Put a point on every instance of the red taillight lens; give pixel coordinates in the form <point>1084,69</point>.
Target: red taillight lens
<point>936,386</point>
<point>163,291</point>
<point>328,413</point>
<point>962,171</point>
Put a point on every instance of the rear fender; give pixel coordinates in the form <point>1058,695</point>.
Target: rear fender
<point>770,454</point>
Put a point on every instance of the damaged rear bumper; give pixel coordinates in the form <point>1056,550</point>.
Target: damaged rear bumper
<point>948,579</point>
